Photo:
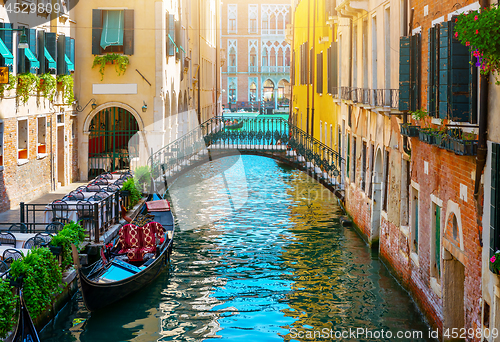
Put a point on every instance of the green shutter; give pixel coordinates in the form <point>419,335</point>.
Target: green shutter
<point>72,50</point>
<point>433,66</point>
<point>7,37</point>
<point>67,52</point>
<point>459,79</point>
<point>96,31</point>
<point>128,33</point>
<point>21,57</point>
<point>404,73</point>
<point>494,234</point>
<point>334,64</point>
<point>171,34</point>
<point>61,51</point>
<point>444,70</point>
<point>41,51</point>
<point>473,91</point>
<point>51,44</point>
<point>415,72</point>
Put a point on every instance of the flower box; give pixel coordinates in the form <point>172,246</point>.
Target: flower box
<point>426,135</point>
<point>409,131</point>
<point>465,147</point>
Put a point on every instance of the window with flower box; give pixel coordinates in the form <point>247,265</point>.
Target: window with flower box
<point>41,143</point>
<point>22,140</point>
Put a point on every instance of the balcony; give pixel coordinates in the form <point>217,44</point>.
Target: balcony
<point>382,98</point>
<point>275,69</point>
<point>253,69</point>
<point>232,69</point>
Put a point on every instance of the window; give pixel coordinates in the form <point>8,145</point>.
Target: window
<point>232,91</point>
<point>264,57</point>
<point>387,57</point>
<point>332,66</point>
<point>253,92</point>
<point>22,139</point>
<point>6,57</point>
<point>1,143</point>
<point>354,156</point>
<point>252,18</point>
<point>452,85</point>
<point>319,71</point>
<point>409,72</point>
<point>113,31</point>
<point>370,180</point>
<point>27,60</point>
<point>436,242</point>
<point>171,34</point>
<point>374,53</point>
<point>41,141</point>
<point>231,18</point>
<point>363,168</point>
<point>386,180</point>
<point>232,58</point>
<point>414,221</point>
<point>280,57</point>
<point>405,191</point>
<point>253,58</point>
<point>265,23</point>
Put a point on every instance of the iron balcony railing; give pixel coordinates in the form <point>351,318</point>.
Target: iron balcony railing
<point>388,98</point>
<point>253,69</point>
<point>232,69</point>
<point>345,93</point>
<point>269,135</point>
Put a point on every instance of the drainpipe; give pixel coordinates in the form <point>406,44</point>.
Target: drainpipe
<point>307,65</point>
<point>405,115</point>
<point>313,68</point>
<point>482,146</point>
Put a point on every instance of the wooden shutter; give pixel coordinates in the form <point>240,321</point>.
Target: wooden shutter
<point>96,31</point>
<point>444,66</point>
<point>334,70</point>
<point>41,51</point>
<point>433,67</point>
<point>177,39</point>
<point>61,50</point>
<point>67,52</point>
<point>171,32</point>
<point>404,73</point>
<point>459,78</point>
<point>415,72</point>
<point>21,57</point>
<point>32,40</point>
<point>72,50</point>
<point>128,32</point>
<point>311,66</point>
<point>318,73</point>
<point>51,44</point>
<point>494,198</point>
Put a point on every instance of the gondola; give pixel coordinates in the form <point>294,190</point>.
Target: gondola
<point>235,126</point>
<point>113,277</point>
<point>25,330</point>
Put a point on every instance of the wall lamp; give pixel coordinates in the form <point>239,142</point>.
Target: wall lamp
<point>23,40</point>
<point>144,107</point>
<point>81,109</point>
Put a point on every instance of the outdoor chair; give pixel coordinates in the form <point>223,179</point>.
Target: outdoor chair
<point>7,238</point>
<point>10,255</point>
<point>3,267</point>
<point>85,211</point>
<point>60,211</point>
<point>18,227</point>
<point>70,198</point>
<point>46,237</point>
<point>94,198</point>
<point>81,188</point>
<point>54,227</point>
<point>100,181</point>
<point>107,175</point>
<point>33,242</point>
<point>78,194</point>
<point>113,188</point>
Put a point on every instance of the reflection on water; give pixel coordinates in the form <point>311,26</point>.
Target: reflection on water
<point>279,268</point>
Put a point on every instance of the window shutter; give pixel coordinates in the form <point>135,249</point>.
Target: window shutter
<point>96,31</point>
<point>61,50</point>
<point>444,72</point>
<point>67,52</point>
<point>32,40</point>
<point>41,51</point>
<point>433,49</point>
<point>8,39</point>
<point>311,67</point>
<point>128,32</point>
<point>171,32</point>
<point>404,73</point>
<point>334,71</point>
<point>318,74</point>
<point>415,72</point>
<point>459,78</point>
<point>72,50</point>
<point>177,39</point>
<point>495,169</point>
<point>21,57</point>
<point>473,91</point>
<point>51,44</point>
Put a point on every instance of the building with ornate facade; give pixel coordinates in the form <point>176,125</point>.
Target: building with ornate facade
<point>256,71</point>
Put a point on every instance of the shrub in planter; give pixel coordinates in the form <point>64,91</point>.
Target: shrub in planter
<point>426,135</point>
<point>134,193</point>
<point>41,277</point>
<point>142,176</point>
<point>409,130</point>
<point>71,233</point>
<point>25,84</point>
<point>7,308</point>
<point>67,84</point>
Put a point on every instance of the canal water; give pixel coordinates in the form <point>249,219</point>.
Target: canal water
<point>259,256</point>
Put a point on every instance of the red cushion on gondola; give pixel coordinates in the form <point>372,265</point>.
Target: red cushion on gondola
<point>130,241</point>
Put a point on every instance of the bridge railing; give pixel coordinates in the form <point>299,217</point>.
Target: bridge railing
<point>256,134</point>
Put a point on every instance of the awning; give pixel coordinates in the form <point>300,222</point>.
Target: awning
<point>9,58</point>
<point>52,62</point>
<point>112,30</point>
<point>176,48</point>
<point>34,63</point>
<point>71,66</point>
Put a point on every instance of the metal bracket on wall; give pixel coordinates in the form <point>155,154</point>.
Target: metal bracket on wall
<point>143,77</point>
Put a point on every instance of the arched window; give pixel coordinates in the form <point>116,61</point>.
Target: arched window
<point>273,57</point>
<point>265,24</point>
<point>264,57</point>
<point>280,57</point>
<point>232,93</point>
<point>287,57</point>
<point>281,26</point>
<point>253,92</point>
<point>253,57</point>
<point>272,23</point>
<point>232,57</point>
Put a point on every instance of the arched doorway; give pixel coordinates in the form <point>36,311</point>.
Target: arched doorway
<point>283,93</point>
<point>110,132</point>
<point>377,177</point>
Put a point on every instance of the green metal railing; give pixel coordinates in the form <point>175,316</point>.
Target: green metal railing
<point>267,135</point>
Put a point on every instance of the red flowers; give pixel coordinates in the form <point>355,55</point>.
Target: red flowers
<point>475,18</point>
<point>456,34</point>
<point>477,31</point>
<point>467,43</point>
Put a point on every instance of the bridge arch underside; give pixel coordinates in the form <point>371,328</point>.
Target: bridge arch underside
<point>278,156</point>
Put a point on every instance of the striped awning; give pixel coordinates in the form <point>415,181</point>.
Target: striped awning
<point>52,62</point>
<point>71,66</point>
<point>34,63</point>
<point>9,58</point>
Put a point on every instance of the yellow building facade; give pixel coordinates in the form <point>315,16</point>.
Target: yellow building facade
<point>314,77</point>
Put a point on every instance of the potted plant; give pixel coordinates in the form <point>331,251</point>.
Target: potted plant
<point>409,130</point>
<point>47,85</point>
<point>120,61</point>
<point>66,83</point>
<point>495,263</point>
<point>466,145</point>
<point>25,83</point>
<point>479,30</point>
